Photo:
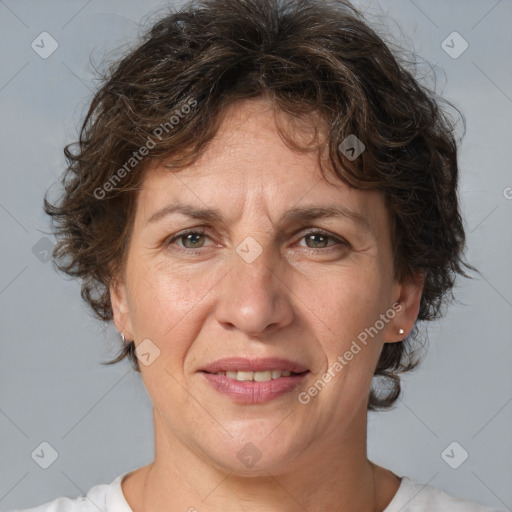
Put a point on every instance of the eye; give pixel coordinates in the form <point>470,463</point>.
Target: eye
<point>320,240</point>
<point>195,239</point>
<point>191,239</point>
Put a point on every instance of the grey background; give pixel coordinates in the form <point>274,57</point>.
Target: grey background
<point>98,419</point>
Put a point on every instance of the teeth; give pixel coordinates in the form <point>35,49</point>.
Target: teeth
<point>256,376</point>
<point>262,376</point>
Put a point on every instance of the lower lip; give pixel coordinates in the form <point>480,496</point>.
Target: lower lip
<point>252,392</point>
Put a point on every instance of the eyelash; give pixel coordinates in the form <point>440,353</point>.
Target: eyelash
<point>199,231</point>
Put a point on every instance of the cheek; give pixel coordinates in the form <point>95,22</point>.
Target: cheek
<point>168,306</point>
<point>165,310</point>
<point>344,309</point>
<point>161,296</point>
<point>345,301</point>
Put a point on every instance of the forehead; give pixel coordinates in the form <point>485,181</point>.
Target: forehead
<point>248,166</point>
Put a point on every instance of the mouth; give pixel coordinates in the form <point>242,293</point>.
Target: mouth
<point>261,376</point>
<point>255,365</point>
<point>253,381</point>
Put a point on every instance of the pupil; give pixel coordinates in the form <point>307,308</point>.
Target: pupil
<point>317,235</point>
<point>192,238</point>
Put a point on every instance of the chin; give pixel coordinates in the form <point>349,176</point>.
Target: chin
<point>254,452</point>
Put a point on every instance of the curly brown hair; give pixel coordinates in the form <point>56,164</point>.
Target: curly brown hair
<point>306,57</point>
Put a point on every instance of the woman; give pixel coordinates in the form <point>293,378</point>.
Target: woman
<point>264,201</point>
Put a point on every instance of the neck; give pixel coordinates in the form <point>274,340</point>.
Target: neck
<point>328,479</point>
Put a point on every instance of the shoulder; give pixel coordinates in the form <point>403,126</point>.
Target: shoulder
<point>101,497</point>
<point>415,497</point>
<point>92,502</point>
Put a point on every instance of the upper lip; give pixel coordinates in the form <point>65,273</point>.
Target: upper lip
<point>253,365</point>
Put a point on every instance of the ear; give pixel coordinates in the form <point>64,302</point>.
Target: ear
<point>120,308</point>
<point>406,306</point>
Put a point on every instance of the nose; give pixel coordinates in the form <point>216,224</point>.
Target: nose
<point>254,297</point>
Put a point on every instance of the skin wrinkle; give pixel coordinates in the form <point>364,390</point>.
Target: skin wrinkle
<point>169,96</point>
<point>193,72</point>
<point>290,303</point>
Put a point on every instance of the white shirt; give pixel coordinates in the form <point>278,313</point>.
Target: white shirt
<point>410,497</point>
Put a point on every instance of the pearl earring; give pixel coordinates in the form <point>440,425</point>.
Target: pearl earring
<point>400,331</point>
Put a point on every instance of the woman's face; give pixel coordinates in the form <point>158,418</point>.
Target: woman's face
<point>263,281</point>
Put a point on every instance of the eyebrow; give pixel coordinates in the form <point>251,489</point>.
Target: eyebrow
<point>303,214</point>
